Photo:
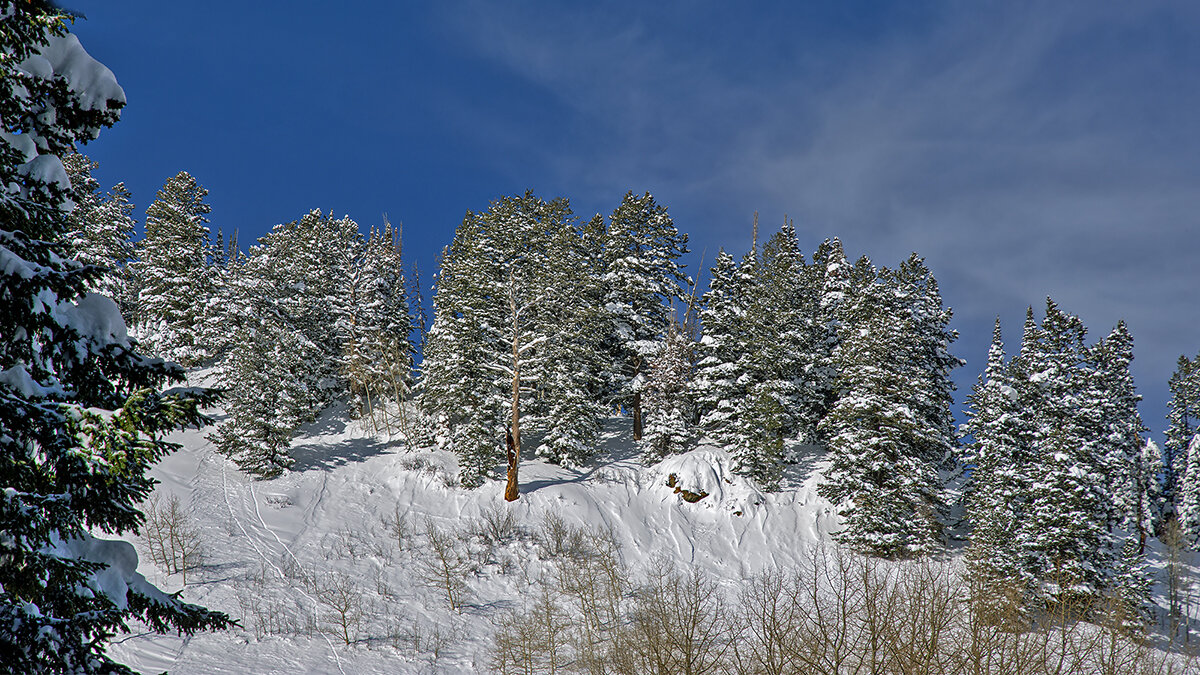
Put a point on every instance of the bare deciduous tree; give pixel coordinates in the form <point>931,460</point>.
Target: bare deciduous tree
<point>171,537</point>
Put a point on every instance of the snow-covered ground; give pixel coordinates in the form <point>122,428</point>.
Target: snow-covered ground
<point>282,554</point>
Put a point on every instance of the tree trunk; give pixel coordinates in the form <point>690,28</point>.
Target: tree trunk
<point>513,439</point>
<point>637,402</point>
<point>511,493</point>
<point>637,415</point>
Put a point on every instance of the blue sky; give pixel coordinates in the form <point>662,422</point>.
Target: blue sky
<point>1025,149</point>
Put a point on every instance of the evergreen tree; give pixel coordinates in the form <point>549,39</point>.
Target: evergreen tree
<point>998,494</point>
<point>172,272</point>
<point>82,415</point>
<point>829,280</point>
<point>513,340</point>
<point>286,363</point>
<point>1183,415</point>
<point>667,409</point>
<point>1067,534</point>
<point>101,229</point>
<point>1117,427</point>
<point>717,386</point>
<point>378,354</point>
<point>886,460</point>
<point>1050,429</point>
<point>1188,494</point>
<point>1151,472</point>
<point>786,346</point>
<point>641,278</point>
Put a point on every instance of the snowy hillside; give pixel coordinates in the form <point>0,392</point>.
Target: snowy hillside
<point>333,520</point>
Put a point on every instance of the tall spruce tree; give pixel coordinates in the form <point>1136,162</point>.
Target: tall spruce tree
<point>717,386</point>
<point>286,363</point>
<point>667,408</point>
<point>1183,422</point>
<point>1051,429</point>
<point>997,496</point>
<point>887,447</point>
<point>378,353</point>
<point>512,345</point>
<point>1117,427</point>
<point>102,227</point>
<point>1188,494</point>
<point>172,272</point>
<point>82,415</point>
<point>1068,533</point>
<point>641,278</point>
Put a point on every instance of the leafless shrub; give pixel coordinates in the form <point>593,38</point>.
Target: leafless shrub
<point>342,605</point>
<point>171,537</point>
<point>398,527</point>
<point>597,585</point>
<point>535,641</point>
<point>556,538</point>
<point>679,623</point>
<point>444,565</point>
<point>418,464</point>
<point>496,525</point>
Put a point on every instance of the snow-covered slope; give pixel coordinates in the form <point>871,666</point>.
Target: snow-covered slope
<point>280,553</point>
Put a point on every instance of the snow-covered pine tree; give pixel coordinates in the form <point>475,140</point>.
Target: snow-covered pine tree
<point>716,388</point>
<point>378,353</point>
<point>466,400</point>
<point>1066,535</point>
<point>1188,493</point>
<point>667,409</point>
<point>511,345</point>
<point>101,229</point>
<point>1183,422</point>
<point>885,459</point>
<point>787,346</point>
<point>285,365</point>
<point>569,409</point>
<point>917,296</point>
<point>82,414</point>
<point>172,272</point>
<point>829,280</point>
<point>1152,474</point>
<point>997,494</point>
<point>1117,427</point>
<point>641,278</point>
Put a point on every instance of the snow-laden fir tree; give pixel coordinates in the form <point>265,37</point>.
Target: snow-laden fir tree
<point>102,227</point>
<point>1116,425</point>
<point>997,495</point>
<point>378,353</point>
<point>717,386</point>
<point>1052,434</point>
<point>82,416</point>
<point>1067,533</point>
<point>1183,422</point>
<point>514,339</point>
<point>667,408</point>
<point>172,272</point>
<point>1188,493</point>
<point>641,278</point>
<point>287,312</point>
<point>1152,472</point>
<point>829,278</point>
<point>785,346</point>
<point>887,448</point>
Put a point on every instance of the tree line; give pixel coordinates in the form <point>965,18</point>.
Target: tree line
<point>544,324</point>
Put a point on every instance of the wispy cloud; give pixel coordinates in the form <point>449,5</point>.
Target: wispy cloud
<point>1025,150</point>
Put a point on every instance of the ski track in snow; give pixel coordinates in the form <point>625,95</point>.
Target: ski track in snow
<point>307,510</point>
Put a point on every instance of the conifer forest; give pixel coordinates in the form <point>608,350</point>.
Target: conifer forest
<point>561,450</point>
